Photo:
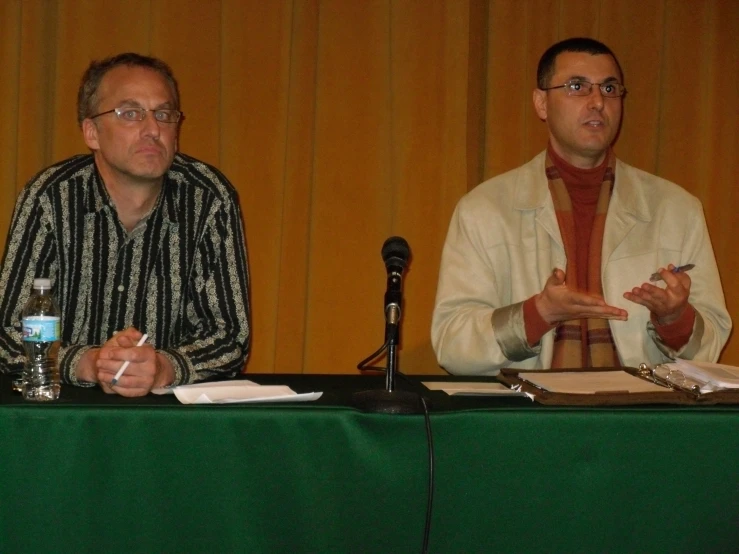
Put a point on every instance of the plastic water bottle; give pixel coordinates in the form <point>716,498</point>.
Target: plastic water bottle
<point>41,333</point>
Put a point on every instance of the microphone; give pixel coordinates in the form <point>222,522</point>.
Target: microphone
<point>395,253</point>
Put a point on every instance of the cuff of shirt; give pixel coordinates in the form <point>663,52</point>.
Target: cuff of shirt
<point>535,325</point>
<point>676,334</point>
<point>183,372</point>
<point>69,360</point>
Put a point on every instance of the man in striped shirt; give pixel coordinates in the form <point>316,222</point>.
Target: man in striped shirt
<point>136,238</point>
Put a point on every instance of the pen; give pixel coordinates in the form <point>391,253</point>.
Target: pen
<point>124,365</point>
<point>681,269</point>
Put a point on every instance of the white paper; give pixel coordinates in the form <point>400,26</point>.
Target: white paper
<point>170,390</point>
<point>460,388</point>
<point>710,377</point>
<point>590,382</point>
<point>230,392</point>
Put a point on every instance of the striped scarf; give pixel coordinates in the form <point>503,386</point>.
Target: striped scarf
<point>569,335</point>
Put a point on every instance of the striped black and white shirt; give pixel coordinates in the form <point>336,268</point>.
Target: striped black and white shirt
<point>181,275</point>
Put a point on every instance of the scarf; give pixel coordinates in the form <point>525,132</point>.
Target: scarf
<point>598,349</point>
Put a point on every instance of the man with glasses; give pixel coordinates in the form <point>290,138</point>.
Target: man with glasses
<point>136,238</point>
<point>549,265</point>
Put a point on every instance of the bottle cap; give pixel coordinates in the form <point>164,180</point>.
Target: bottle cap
<point>42,283</point>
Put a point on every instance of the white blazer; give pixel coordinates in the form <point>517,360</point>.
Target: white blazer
<point>504,241</point>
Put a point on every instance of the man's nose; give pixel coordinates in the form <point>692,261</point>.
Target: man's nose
<point>150,126</point>
<point>595,98</point>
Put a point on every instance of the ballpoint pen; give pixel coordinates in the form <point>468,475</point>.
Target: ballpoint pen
<point>681,269</point>
<point>124,365</point>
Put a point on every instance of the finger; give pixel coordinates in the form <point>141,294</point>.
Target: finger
<point>649,294</point>
<point>678,281</point>
<point>105,385</point>
<point>589,315</point>
<point>126,381</point>
<point>132,385</point>
<point>604,312</point>
<point>585,299</point>
<point>137,354</point>
<point>591,301</point>
<point>637,299</point>
<point>133,392</point>
<point>556,279</point>
<point>124,341</point>
<point>130,333</point>
<point>649,302</point>
<point>107,369</point>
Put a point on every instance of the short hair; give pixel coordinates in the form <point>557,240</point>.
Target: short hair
<point>87,96</point>
<point>545,70</point>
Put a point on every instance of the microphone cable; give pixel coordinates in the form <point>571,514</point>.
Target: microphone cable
<point>429,442</point>
<point>430,493</point>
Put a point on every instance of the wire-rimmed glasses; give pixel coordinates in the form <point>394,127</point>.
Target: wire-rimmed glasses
<point>581,87</point>
<point>131,114</point>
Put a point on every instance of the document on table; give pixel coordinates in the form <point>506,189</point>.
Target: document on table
<point>231,392</point>
<point>460,388</point>
<point>710,377</point>
<point>589,382</point>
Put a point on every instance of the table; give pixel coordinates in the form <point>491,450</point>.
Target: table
<point>99,473</point>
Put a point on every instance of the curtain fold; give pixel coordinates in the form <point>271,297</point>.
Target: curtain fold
<point>342,123</point>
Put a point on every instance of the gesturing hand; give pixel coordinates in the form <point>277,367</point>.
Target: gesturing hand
<point>557,302</point>
<point>666,304</point>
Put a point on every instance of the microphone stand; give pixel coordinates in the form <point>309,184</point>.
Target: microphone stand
<point>392,317</point>
<point>389,401</point>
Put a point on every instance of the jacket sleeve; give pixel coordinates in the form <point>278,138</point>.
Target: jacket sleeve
<point>472,331</point>
<point>712,321</point>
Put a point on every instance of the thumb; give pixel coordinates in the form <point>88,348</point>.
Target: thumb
<point>125,341</point>
<point>557,277</point>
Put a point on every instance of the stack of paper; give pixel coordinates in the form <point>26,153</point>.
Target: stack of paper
<point>589,382</point>
<point>467,388</point>
<point>710,377</point>
<point>229,392</point>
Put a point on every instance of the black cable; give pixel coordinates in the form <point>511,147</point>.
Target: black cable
<point>371,357</point>
<point>430,502</point>
<point>429,440</point>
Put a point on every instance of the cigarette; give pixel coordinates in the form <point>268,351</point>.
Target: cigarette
<point>124,365</point>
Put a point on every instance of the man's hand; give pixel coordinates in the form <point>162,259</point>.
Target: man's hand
<point>146,370</point>
<point>666,304</point>
<point>558,303</point>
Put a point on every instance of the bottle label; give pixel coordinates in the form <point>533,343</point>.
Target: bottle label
<point>41,328</point>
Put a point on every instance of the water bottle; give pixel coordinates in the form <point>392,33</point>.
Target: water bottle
<point>41,334</point>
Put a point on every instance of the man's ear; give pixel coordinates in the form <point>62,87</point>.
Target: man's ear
<point>540,103</point>
<point>90,134</point>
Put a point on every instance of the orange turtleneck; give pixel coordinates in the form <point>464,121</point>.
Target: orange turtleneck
<point>583,186</point>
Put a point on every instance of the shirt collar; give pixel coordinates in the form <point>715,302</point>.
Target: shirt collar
<point>99,198</point>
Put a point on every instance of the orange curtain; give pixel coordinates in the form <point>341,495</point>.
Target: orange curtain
<point>343,122</point>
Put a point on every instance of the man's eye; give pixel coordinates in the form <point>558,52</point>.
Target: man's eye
<point>162,115</point>
<point>575,85</point>
<point>609,88</point>
<point>130,115</point>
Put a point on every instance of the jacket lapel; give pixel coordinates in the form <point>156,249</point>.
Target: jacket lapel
<point>627,207</point>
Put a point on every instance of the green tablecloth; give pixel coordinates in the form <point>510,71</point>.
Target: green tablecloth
<point>103,474</point>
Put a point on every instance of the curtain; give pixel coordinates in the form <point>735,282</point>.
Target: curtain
<point>344,122</point>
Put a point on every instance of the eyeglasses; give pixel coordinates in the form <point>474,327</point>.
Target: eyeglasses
<point>139,114</point>
<point>580,87</point>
